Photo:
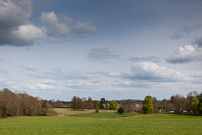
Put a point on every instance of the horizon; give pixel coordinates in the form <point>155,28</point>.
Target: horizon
<point>111,49</point>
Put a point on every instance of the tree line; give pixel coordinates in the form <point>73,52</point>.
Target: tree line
<point>22,104</point>
<point>78,103</point>
<point>176,104</point>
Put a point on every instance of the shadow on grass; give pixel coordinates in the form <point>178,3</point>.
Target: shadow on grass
<point>185,114</point>
<point>105,115</point>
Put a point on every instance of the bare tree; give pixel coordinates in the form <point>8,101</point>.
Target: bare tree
<point>156,105</point>
<point>77,103</point>
<point>90,103</point>
<point>74,103</point>
<point>12,104</point>
<point>179,103</point>
<point>128,105</point>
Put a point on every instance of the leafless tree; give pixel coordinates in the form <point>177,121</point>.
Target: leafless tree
<point>156,105</point>
<point>128,105</point>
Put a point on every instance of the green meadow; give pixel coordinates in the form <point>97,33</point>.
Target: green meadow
<point>103,123</point>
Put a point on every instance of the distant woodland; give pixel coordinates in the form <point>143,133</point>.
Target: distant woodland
<point>21,104</point>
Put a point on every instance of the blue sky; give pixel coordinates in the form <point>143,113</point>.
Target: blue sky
<point>114,49</point>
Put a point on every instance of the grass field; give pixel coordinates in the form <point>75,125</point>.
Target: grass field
<point>105,115</point>
<point>67,111</point>
<point>151,124</point>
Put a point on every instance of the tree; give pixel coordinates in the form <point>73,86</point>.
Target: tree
<point>85,103</point>
<point>96,106</point>
<point>3,105</point>
<point>79,103</point>
<point>113,105</point>
<point>90,103</point>
<point>56,104</point>
<point>195,105</point>
<point>120,110</point>
<point>128,105</point>
<point>103,103</point>
<point>190,97</point>
<point>163,105</point>
<point>179,103</point>
<point>200,103</point>
<point>97,109</point>
<point>12,104</point>
<point>156,105</point>
<point>44,107</point>
<point>74,103</point>
<point>148,105</point>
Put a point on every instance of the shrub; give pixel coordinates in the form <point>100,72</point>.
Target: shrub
<point>120,110</point>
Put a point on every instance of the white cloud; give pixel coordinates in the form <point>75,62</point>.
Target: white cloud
<point>15,28</point>
<point>44,86</point>
<point>29,33</point>
<point>62,26</point>
<point>185,54</point>
<point>40,86</point>
<point>112,74</point>
<point>32,87</point>
<point>81,84</point>
<point>151,72</point>
<point>49,81</point>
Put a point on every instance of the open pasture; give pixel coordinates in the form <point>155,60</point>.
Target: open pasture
<point>152,124</point>
<point>68,111</point>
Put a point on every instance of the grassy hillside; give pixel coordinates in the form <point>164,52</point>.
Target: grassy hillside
<point>152,124</point>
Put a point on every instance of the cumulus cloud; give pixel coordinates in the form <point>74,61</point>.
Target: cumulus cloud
<point>15,28</point>
<point>145,58</point>
<point>62,26</point>
<point>101,54</point>
<point>151,72</point>
<point>185,54</point>
<point>28,33</point>
<point>185,31</point>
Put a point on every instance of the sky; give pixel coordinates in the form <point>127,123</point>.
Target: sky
<point>116,49</point>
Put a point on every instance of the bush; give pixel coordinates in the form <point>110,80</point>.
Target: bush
<point>120,110</point>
